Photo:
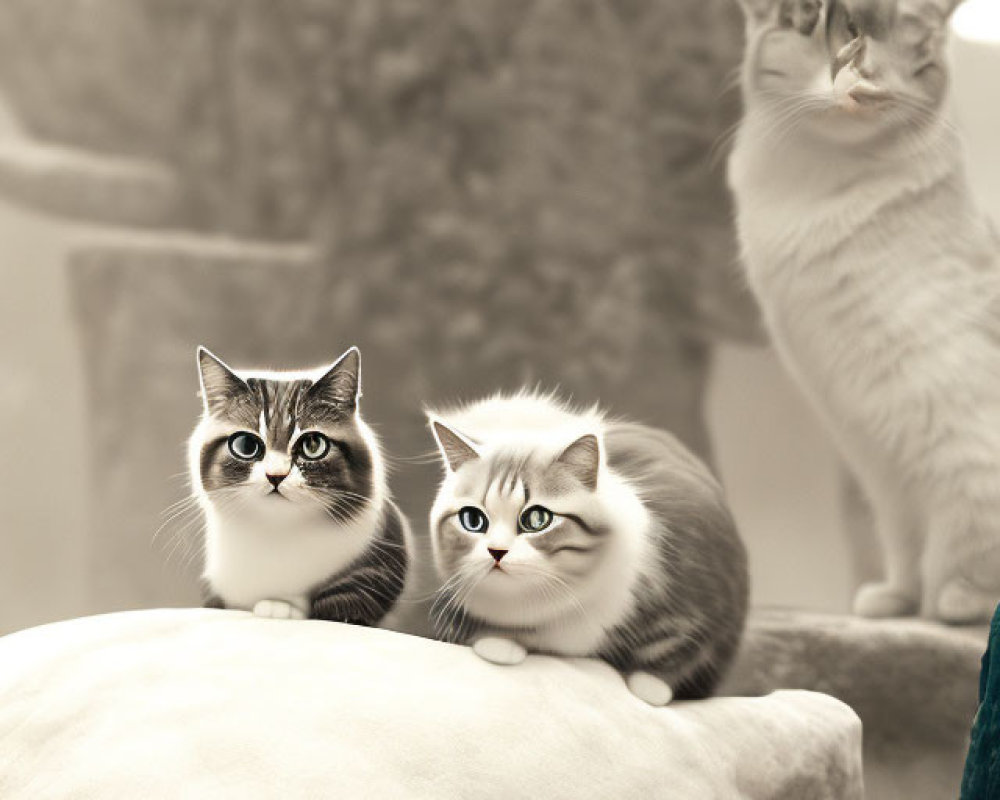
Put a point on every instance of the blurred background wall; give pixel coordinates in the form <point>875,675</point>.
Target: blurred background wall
<point>480,194</point>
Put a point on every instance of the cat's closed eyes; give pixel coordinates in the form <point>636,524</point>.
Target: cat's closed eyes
<point>849,70</point>
<point>558,532</point>
<point>299,519</point>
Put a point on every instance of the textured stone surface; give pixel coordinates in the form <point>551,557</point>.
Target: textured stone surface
<point>913,683</point>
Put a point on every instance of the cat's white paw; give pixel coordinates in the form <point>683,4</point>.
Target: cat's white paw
<point>877,600</point>
<point>961,603</point>
<point>649,688</point>
<point>277,609</point>
<point>499,651</point>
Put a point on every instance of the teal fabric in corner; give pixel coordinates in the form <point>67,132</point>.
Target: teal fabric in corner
<point>982,766</point>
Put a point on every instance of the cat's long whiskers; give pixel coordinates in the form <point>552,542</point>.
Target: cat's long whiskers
<point>180,537</point>
<point>430,457</point>
<point>178,509</point>
<point>472,585</point>
<point>454,606</point>
<point>448,594</point>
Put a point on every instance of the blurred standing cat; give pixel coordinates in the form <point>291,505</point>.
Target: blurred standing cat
<point>879,279</point>
<point>561,532</point>
<point>291,481</point>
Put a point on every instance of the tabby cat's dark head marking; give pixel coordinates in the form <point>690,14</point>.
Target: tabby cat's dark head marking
<point>280,411</point>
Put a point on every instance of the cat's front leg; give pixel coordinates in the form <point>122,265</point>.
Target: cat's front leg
<point>498,650</point>
<point>209,598</point>
<point>277,609</point>
<point>649,688</point>
<point>898,529</point>
<point>962,561</point>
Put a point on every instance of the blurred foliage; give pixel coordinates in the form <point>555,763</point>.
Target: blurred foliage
<point>508,135</point>
<point>502,192</point>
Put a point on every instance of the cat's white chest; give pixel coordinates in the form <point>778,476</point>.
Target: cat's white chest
<point>252,561</point>
<point>579,635</point>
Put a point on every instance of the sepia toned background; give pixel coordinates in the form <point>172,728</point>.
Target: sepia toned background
<point>481,194</point>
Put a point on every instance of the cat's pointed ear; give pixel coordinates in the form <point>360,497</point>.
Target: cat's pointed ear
<point>756,10</point>
<point>583,460</point>
<point>455,448</point>
<point>948,7</point>
<point>341,384</point>
<point>218,382</point>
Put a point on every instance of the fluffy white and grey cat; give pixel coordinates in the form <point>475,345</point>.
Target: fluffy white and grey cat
<point>291,481</point>
<point>561,532</point>
<point>879,279</point>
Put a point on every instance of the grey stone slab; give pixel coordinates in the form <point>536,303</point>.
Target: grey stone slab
<point>914,684</point>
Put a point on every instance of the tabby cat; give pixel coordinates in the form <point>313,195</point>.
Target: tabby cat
<point>292,484</point>
<point>560,532</point>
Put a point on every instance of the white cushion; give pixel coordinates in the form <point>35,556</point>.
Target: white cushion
<point>218,704</point>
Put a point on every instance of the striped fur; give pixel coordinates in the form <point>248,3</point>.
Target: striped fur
<point>642,565</point>
<point>879,281</point>
<point>286,534</point>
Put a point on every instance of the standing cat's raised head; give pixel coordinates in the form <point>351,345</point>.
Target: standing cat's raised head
<point>852,70</point>
<point>284,445</point>
<point>526,523</point>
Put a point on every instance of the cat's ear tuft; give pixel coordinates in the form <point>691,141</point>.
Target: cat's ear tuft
<point>583,460</point>
<point>455,448</point>
<point>218,382</point>
<point>341,384</point>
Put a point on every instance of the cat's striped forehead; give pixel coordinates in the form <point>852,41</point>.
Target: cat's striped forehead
<point>508,474</point>
<point>276,404</point>
<point>515,474</point>
<point>278,408</point>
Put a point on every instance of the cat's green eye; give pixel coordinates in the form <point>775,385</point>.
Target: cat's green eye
<point>245,446</point>
<point>314,446</point>
<point>473,520</point>
<point>535,519</point>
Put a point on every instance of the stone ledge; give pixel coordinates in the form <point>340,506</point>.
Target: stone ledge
<point>903,677</point>
<point>88,186</point>
<point>914,684</point>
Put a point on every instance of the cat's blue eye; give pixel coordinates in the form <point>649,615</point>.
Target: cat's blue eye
<point>473,520</point>
<point>245,446</point>
<point>535,519</point>
<point>314,446</point>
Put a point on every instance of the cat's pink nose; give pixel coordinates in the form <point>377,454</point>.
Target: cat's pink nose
<point>274,480</point>
<point>496,553</point>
